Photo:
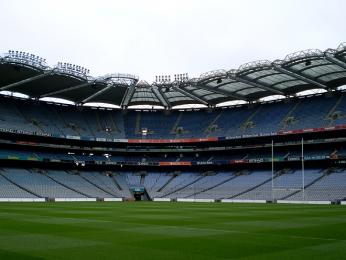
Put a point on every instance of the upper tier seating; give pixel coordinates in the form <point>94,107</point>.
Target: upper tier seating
<point>304,112</point>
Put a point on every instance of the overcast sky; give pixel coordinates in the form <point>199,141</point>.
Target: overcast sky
<point>149,38</point>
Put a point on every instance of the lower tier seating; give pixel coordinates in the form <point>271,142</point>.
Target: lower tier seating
<point>287,184</point>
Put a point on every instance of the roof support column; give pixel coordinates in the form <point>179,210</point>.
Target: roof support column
<point>221,91</point>
<point>182,91</point>
<point>127,97</point>
<point>16,84</point>
<point>254,84</point>
<point>335,61</point>
<point>97,94</point>
<point>158,93</point>
<point>298,76</point>
<point>67,89</point>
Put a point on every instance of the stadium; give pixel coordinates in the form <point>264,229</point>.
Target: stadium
<point>236,149</point>
<point>287,149</point>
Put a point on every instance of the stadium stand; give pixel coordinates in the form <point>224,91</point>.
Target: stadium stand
<point>289,148</point>
<point>302,113</point>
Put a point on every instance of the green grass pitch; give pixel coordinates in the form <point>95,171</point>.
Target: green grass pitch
<point>171,231</point>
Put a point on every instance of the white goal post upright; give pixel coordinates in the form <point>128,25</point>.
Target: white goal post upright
<point>272,170</point>
<point>289,189</point>
<point>303,172</point>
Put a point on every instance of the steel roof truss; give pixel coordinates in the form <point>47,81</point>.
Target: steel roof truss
<point>261,86</point>
<point>128,96</point>
<point>223,92</point>
<point>299,76</point>
<point>50,94</point>
<point>16,84</point>
<point>161,97</point>
<point>194,97</point>
<point>97,94</point>
<point>335,61</point>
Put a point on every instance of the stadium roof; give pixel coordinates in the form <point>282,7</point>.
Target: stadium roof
<point>311,69</point>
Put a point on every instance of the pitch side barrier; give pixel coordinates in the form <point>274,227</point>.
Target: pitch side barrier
<point>162,199</point>
<point>242,201</point>
<point>22,200</point>
<point>170,141</point>
<point>59,199</point>
<point>87,199</point>
<point>194,200</point>
<point>312,202</point>
<point>113,199</point>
